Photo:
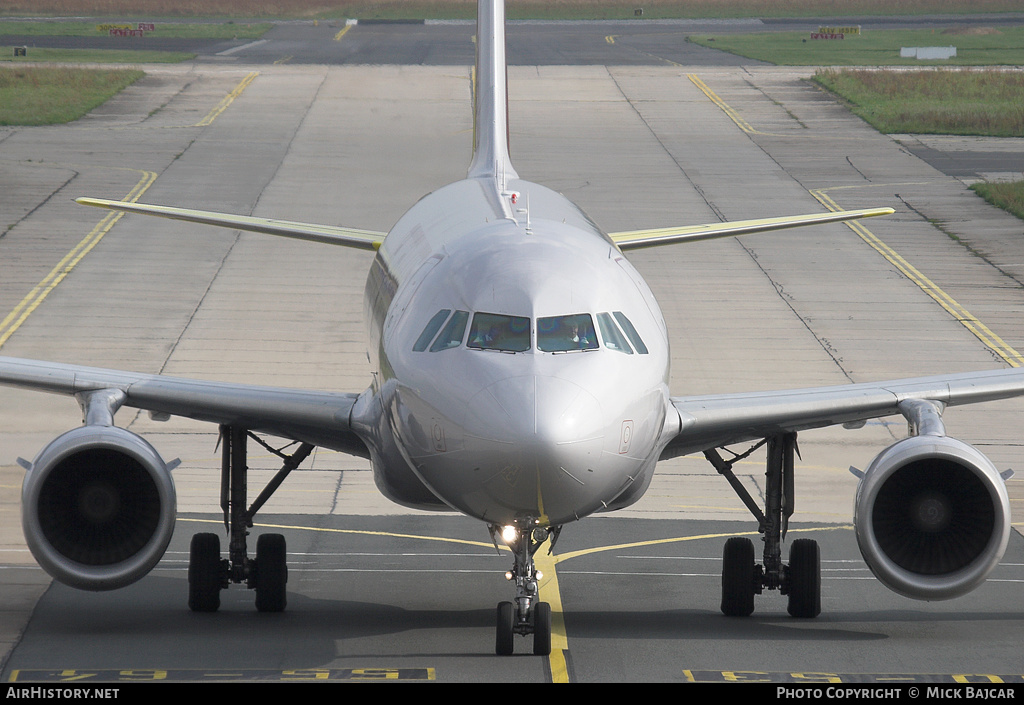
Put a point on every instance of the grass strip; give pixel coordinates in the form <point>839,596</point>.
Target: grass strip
<point>206,30</point>
<point>54,95</point>
<point>94,56</point>
<point>987,103</point>
<point>978,46</point>
<point>1007,195</point>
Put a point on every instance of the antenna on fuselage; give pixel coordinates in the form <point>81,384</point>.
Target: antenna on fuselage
<point>490,150</point>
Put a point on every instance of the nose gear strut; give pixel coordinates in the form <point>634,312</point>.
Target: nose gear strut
<point>527,614</point>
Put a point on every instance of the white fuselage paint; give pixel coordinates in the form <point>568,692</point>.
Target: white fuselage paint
<point>527,437</point>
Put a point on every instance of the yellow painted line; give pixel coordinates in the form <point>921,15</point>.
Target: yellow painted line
<point>389,534</point>
<point>342,33</point>
<point>725,107</point>
<point>953,307</point>
<point>550,593</point>
<point>610,38</point>
<point>34,298</point>
<point>228,100</point>
<point>683,539</point>
<point>968,320</point>
<point>545,563</point>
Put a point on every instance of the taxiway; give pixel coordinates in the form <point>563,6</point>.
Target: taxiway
<point>635,146</point>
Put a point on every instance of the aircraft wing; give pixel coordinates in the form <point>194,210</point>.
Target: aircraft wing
<point>636,239</point>
<point>716,420</point>
<point>330,234</point>
<point>319,418</point>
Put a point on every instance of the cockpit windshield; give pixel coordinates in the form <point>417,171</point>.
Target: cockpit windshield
<point>566,333</point>
<point>451,336</point>
<point>555,334</point>
<point>492,331</point>
<point>613,339</point>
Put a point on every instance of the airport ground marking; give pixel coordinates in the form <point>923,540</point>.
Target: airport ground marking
<point>34,298</point>
<point>342,33</point>
<point>722,105</point>
<point>228,100</point>
<point>968,320</point>
<point>545,562</point>
<point>734,115</point>
<point>360,532</point>
<point>561,557</point>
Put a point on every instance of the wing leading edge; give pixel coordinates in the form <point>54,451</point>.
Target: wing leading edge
<point>319,418</point>
<point>716,420</point>
<point>329,234</point>
<point>636,239</point>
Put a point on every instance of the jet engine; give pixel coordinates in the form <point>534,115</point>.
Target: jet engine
<point>932,517</point>
<point>98,507</point>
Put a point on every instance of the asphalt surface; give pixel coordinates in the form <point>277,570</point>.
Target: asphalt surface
<point>530,43</point>
<point>399,599</point>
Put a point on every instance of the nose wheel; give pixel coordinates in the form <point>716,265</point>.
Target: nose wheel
<point>527,614</point>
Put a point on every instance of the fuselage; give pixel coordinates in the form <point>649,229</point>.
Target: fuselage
<point>522,361</point>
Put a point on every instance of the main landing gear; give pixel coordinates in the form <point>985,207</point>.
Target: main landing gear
<point>800,580</point>
<point>526,615</point>
<point>208,573</point>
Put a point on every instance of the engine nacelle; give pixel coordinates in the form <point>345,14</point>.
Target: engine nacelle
<point>98,507</point>
<point>932,517</point>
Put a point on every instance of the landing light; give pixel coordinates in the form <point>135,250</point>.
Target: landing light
<point>509,575</point>
<point>509,534</point>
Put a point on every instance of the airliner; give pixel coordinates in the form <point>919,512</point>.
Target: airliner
<point>522,378</point>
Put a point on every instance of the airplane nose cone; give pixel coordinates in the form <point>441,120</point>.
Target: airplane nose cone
<point>533,446</point>
<point>531,410</point>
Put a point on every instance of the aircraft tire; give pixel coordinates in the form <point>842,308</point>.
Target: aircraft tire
<point>204,579</point>
<point>738,577</point>
<point>541,629</point>
<point>804,574</point>
<point>503,645</point>
<point>271,573</point>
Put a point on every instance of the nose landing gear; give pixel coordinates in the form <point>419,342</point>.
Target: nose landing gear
<point>527,614</point>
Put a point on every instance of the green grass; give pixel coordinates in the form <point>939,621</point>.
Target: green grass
<point>48,96</point>
<point>218,30</point>
<point>872,48</point>
<point>1008,196</point>
<point>933,102</point>
<point>94,56</point>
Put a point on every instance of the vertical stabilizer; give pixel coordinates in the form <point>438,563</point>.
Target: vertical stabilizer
<point>490,128</point>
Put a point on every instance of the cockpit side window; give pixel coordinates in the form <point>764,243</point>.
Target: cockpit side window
<point>492,331</point>
<point>431,330</point>
<point>634,337</point>
<point>613,339</point>
<point>566,333</point>
<point>451,336</point>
